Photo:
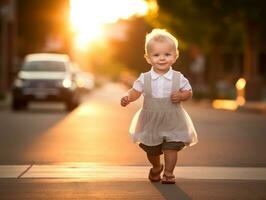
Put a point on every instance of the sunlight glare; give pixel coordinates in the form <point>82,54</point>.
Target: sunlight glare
<point>87,18</point>
<point>224,104</point>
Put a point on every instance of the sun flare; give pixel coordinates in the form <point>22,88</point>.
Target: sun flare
<point>88,18</point>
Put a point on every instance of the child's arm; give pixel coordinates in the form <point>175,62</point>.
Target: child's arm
<point>132,95</point>
<point>178,96</point>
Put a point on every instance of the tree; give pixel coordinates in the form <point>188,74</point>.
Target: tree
<point>218,24</point>
<point>38,19</point>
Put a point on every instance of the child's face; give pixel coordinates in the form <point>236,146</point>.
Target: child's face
<point>161,56</point>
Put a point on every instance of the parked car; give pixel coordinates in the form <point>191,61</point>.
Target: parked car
<point>85,81</point>
<point>45,77</point>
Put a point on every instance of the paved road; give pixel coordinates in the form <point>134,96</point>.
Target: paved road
<point>19,130</point>
<point>58,189</point>
<point>97,132</point>
<point>87,154</point>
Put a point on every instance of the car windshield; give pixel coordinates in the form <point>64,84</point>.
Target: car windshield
<point>50,66</point>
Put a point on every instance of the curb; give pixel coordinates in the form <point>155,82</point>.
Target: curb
<point>259,108</point>
<point>114,172</point>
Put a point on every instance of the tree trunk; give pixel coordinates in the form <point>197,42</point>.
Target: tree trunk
<point>251,52</point>
<point>216,71</point>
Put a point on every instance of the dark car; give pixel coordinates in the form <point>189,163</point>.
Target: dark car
<point>45,77</point>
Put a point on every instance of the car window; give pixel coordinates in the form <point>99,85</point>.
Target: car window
<point>50,66</point>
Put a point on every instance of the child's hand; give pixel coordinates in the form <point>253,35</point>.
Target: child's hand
<point>176,97</point>
<point>124,101</point>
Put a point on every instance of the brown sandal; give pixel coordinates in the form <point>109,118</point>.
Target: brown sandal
<point>168,179</point>
<point>154,174</point>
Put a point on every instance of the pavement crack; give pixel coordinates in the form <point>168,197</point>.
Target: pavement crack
<point>25,171</point>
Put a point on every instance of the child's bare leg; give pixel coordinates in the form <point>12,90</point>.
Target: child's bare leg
<point>155,161</point>
<point>170,159</point>
<point>157,168</point>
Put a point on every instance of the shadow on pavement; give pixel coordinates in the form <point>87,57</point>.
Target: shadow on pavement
<point>42,111</point>
<point>170,192</point>
<point>42,107</point>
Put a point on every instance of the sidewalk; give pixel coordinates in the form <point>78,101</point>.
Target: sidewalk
<point>259,107</point>
<point>92,171</point>
<point>249,107</point>
<point>89,181</point>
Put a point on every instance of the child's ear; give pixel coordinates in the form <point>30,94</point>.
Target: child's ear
<point>177,54</point>
<point>147,58</point>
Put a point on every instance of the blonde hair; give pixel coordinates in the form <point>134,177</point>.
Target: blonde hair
<point>160,35</point>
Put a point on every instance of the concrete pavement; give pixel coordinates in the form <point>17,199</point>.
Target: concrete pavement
<point>93,181</point>
<point>92,171</point>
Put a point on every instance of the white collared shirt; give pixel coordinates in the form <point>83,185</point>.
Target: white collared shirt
<point>161,84</point>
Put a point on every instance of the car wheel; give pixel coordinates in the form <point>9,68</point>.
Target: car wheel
<point>71,105</point>
<point>18,104</point>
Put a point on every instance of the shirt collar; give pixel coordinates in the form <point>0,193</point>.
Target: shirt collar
<point>167,75</point>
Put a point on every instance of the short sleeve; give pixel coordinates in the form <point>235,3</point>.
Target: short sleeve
<point>139,83</point>
<point>184,83</point>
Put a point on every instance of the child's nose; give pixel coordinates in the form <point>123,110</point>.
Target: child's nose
<point>162,57</point>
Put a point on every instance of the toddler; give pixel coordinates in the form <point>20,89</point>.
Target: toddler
<point>161,126</point>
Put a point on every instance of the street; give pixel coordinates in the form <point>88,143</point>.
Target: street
<point>97,131</point>
<point>86,54</point>
<point>61,151</point>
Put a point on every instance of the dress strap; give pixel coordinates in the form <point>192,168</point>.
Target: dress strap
<point>176,81</point>
<point>147,84</point>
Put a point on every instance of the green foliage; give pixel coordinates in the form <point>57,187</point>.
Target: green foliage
<point>210,22</point>
<point>38,19</point>
<point>131,51</point>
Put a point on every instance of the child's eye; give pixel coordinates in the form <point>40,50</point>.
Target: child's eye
<point>155,55</point>
<point>168,54</point>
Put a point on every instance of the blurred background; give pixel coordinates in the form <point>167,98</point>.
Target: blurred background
<point>222,53</point>
<point>220,41</point>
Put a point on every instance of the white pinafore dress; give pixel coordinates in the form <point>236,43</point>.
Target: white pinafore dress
<point>161,120</point>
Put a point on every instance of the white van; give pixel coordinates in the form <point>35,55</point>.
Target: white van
<point>44,77</point>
